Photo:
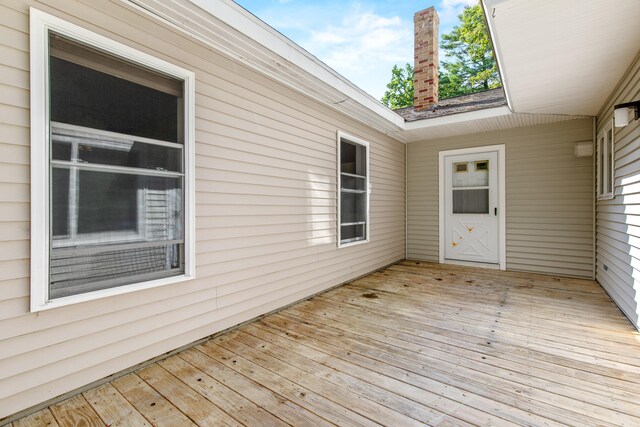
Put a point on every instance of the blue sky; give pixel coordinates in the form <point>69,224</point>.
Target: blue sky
<point>362,40</point>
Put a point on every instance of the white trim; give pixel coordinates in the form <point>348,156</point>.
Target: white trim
<point>610,149</point>
<point>474,264</point>
<point>40,24</point>
<point>103,293</point>
<point>594,206</point>
<point>502,205</point>
<point>231,30</point>
<point>339,136</point>
<point>237,17</point>
<point>497,53</point>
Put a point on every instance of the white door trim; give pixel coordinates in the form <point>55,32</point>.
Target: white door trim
<point>502,218</point>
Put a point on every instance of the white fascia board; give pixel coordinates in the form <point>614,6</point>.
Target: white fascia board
<point>487,9</point>
<point>238,18</point>
<point>458,118</point>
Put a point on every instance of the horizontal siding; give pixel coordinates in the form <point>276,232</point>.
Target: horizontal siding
<point>265,212</point>
<point>618,219</point>
<point>549,197</point>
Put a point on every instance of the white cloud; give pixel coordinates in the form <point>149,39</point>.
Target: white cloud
<point>450,9</point>
<point>363,47</point>
<point>357,40</point>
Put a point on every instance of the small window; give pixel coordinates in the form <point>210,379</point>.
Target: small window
<point>116,155</point>
<point>353,181</point>
<point>482,165</point>
<point>460,167</point>
<point>605,163</point>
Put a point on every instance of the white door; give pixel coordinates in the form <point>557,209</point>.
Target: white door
<point>471,211</point>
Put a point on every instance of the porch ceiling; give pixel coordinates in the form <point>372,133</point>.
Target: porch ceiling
<point>563,57</point>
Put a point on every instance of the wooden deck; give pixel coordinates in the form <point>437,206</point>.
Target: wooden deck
<point>416,344</point>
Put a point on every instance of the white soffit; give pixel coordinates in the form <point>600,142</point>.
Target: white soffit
<point>231,30</point>
<point>494,119</point>
<point>563,56</point>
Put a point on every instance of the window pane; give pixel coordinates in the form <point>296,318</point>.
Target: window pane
<point>124,225</point>
<point>97,149</point>
<point>80,270</point>
<point>471,201</point>
<point>351,233</point>
<point>353,207</point>
<point>353,158</point>
<point>107,202</point>
<point>601,165</point>
<point>353,182</point>
<point>60,150</point>
<point>610,154</point>
<point>113,203</point>
<point>471,174</point>
<point>113,225</point>
<point>86,97</point>
<point>60,202</point>
<point>460,167</point>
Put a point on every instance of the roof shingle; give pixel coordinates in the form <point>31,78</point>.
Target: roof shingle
<point>460,104</point>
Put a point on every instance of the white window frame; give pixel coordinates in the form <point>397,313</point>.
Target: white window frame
<point>40,25</point>
<point>604,175</point>
<point>340,136</point>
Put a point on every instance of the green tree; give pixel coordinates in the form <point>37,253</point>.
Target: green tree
<point>400,89</point>
<point>471,66</point>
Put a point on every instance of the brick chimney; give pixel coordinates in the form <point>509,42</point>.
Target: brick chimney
<point>425,65</point>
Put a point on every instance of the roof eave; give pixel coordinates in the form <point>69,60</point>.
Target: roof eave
<point>458,118</point>
<point>244,38</point>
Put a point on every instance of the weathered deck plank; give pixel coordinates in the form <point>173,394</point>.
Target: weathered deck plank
<point>113,408</point>
<point>414,344</point>
<point>75,412</point>
<point>39,419</point>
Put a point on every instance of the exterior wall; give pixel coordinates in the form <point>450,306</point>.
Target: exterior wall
<point>265,213</point>
<point>548,191</point>
<point>618,219</point>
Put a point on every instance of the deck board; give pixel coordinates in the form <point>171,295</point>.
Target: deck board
<point>413,344</point>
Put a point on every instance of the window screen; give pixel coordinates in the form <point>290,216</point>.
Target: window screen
<point>471,189</point>
<point>116,172</point>
<point>353,192</point>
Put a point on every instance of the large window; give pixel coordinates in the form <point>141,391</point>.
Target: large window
<point>604,164</point>
<point>353,182</point>
<point>112,147</point>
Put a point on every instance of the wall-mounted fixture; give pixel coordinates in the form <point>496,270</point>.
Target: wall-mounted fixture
<point>621,113</point>
<point>583,149</point>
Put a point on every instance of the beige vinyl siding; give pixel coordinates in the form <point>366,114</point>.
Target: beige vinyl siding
<point>265,212</point>
<point>618,219</point>
<point>548,191</point>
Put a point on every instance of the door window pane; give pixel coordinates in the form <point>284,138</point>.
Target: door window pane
<point>471,174</point>
<point>471,201</point>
